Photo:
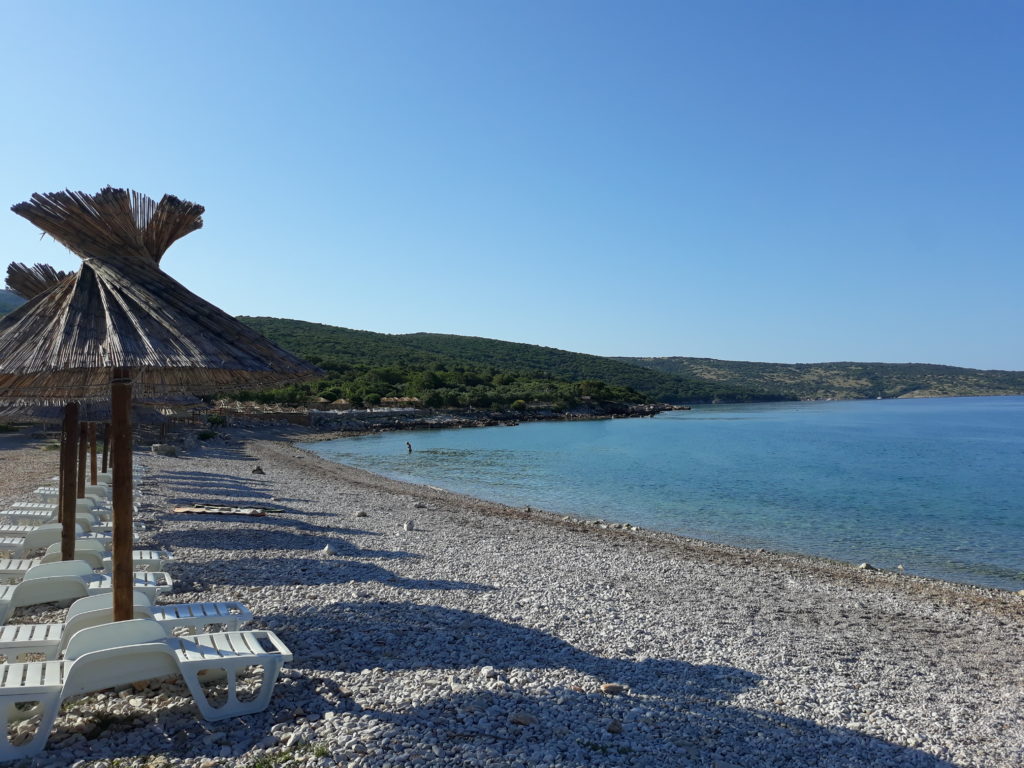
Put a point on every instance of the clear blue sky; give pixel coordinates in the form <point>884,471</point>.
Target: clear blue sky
<point>775,181</point>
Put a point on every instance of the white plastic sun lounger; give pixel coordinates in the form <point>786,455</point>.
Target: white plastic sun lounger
<point>52,492</point>
<point>98,507</point>
<point>70,580</point>
<point>12,570</point>
<point>28,508</point>
<point>124,652</point>
<point>28,538</point>
<point>50,640</point>
<point>35,518</point>
<point>95,553</point>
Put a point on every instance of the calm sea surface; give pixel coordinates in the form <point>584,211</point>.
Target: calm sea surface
<point>936,485</point>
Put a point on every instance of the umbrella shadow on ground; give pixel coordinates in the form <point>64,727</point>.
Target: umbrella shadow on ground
<point>314,572</point>
<point>265,540</point>
<point>225,452</point>
<point>272,520</point>
<point>260,536</point>
<point>212,487</point>
<point>199,479</point>
<point>667,703</point>
<point>177,724</point>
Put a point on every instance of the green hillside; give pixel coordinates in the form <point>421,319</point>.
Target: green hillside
<point>9,301</point>
<point>347,353</point>
<point>840,381</point>
<point>461,370</point>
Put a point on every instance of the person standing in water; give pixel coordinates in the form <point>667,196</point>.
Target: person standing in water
<point>408,445</point>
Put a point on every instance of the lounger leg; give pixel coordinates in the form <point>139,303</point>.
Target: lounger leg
<point>233,707</point>
<point>49,704</point>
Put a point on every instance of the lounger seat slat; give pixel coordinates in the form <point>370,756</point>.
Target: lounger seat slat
<point>11,566</point>
<point>34,675</point>
<point>54,672</point>
<point>145,581</point>
<point>198,615</point>
<point>19,676</point>
<point>14,635</point>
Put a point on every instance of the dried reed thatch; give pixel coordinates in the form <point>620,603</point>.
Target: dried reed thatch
<point>29,282</point>
<point>120,324</point>
<point>120,311</point>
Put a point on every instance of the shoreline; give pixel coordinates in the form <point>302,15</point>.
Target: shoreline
<point>742,552</point>
<point>810,564</point>
<point>485,635</point>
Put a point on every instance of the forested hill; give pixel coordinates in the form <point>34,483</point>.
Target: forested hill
<point>819,381</point>
<point>339,349</point>
<point>355,358</point>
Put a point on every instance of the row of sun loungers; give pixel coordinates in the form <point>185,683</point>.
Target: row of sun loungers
<point>88,652</point>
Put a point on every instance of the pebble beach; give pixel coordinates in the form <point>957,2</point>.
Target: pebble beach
<point>433,629</point>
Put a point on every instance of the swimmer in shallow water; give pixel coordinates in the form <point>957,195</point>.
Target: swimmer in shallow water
<point>408,445</point>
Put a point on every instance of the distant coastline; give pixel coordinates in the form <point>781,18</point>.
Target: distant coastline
<point>331,424</point>
<point>327,425</point>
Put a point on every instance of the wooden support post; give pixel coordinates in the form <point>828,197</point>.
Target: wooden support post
<point>106,445</point>
<point>68,477</point>
<point>121,433</point>
<point>92,453</point>
<point>83,447</point>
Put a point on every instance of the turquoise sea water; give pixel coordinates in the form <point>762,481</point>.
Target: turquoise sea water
<point>936,485</point>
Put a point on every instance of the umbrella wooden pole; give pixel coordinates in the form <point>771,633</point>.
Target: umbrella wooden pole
<point>106,445</point>
<point>92,453</point>
<point>83,447</point>
<point>68,475</point>
<point>121,432</point>
<point>60,471</point>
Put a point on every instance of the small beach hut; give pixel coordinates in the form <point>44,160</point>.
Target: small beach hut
<point>120,327</point>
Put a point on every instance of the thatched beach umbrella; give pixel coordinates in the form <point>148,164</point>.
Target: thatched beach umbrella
<point>29,282</point>
<point>120,324</point>
<point>78,420</point>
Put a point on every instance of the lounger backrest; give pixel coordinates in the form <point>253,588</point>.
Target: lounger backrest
<point>101,602</point>
<point>62,568</point>
<point>90,556</point>
<point>49,527</point>
<point>87,619</point>
<point>92,545</point>
<point>118,666</point>
<point>48,590</point>
<point>114,635</point>
<point>85,521</point>
<point>45,535</point>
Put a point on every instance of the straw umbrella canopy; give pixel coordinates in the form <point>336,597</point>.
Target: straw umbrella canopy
<point>120,324</point>
<point>29,282</point>
<point>78,420</point>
